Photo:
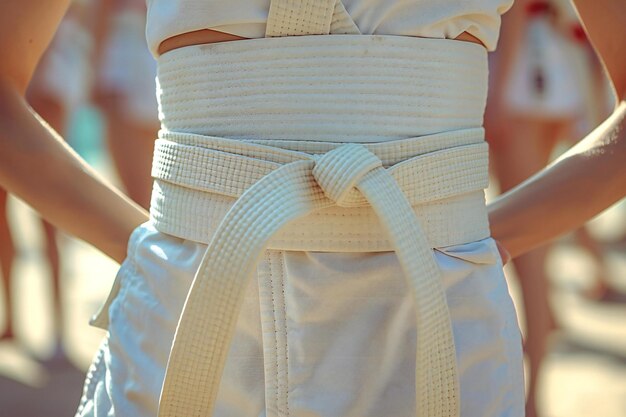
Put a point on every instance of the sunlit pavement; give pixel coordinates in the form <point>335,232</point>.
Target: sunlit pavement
<point>585,375</point>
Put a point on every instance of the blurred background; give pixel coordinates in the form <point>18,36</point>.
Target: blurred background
<point>96,87</point>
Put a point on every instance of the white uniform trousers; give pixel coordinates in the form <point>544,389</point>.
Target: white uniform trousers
<point>252,154</point>
<point>335,333</point>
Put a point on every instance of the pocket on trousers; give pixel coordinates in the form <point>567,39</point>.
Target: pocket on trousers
<point>480,252</point>
<point>101,318</point>
<point>486,333</point>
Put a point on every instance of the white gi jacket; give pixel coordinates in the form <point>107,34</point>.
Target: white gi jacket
<point>346,310</point>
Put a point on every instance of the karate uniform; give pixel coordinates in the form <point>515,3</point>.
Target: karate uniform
<point>318,242</point>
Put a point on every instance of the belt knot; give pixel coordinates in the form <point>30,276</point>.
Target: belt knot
<point>339,171</point>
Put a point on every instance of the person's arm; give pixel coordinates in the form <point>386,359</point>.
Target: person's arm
<point>35,164</point>
<point>580,184</point>
<point>588,178</point>
<point>604,23</point>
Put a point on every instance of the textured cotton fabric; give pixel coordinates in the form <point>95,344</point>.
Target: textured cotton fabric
<point>348,175</point>
<point>443,19</point>
<point>269,198</point>
<point>343,88</point>
<point>320,334</point>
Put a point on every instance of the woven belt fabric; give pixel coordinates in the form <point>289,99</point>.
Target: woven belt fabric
<point>286,18</point>
<point>335,88</point>
<point>271,195</point>
<point>251,155</point>
<point>199,178</point>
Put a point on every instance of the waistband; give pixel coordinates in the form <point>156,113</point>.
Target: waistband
<point>198,179</point>
<point>317,143</point>
<point>339,88</point>
<point>271,196</point>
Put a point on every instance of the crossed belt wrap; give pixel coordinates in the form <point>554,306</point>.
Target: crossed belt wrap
<point>270,196</point>
<point>298,189</point>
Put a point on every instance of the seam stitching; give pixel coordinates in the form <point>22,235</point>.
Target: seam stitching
<point>283,277</point>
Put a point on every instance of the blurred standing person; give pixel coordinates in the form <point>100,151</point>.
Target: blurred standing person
<point>544,89</point>
<point>53,98</point>
<point>125,91</point>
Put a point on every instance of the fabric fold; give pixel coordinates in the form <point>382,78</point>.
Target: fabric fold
<point>294,190</point>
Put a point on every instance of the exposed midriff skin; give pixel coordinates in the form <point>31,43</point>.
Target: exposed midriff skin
<point>205,36</point>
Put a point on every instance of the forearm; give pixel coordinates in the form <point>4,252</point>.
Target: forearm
<point>38,167</point>
<point>580,184</point>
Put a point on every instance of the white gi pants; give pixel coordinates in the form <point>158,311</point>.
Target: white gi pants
<point>369,242</point>
<point>339,328</point>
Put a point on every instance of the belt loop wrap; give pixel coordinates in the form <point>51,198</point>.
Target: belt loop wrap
<point>289,192</point>
<point>339,170</point>
<point>281,187</point>
<point>308,17</point>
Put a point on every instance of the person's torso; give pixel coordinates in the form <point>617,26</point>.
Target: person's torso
<point>247,18</point>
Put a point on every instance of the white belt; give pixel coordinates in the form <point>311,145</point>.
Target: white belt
<point>199,178</point>
<point>270,196</point>
<point>249,158</point>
